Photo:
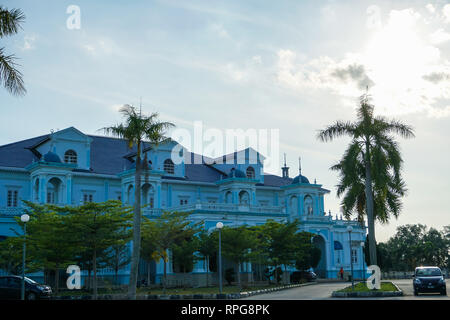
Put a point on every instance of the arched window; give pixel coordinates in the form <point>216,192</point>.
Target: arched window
<point>54,191</point>
<point>250,173</point>
<point>70,156</point>
<point>169,166</point>
<point>244,198</point>
<point>294,205</point>
<point>228,197</point>
<point>308,206</point>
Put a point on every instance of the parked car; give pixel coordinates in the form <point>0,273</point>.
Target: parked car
<point>307,275</point>
<point>11,289</point>
<point>429,279</point>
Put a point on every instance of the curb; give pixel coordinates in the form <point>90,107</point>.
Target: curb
<point>368,294</point>
<point>228,296</point>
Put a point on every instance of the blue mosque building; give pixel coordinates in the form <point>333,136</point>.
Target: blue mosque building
<point>68,167</point>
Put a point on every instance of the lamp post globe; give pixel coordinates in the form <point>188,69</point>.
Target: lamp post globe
<point>25,218</point>
<point>219,225</point>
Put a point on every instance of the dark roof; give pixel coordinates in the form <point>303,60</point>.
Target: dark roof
<point>201,173</point>
<point>300,179</point>
<point>17,155</point>
<point>272,180</point>
<point>107,157</point>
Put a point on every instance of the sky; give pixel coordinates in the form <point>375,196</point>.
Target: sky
<point>295,66</point>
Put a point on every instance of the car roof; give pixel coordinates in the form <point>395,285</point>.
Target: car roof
<point>428,267</point>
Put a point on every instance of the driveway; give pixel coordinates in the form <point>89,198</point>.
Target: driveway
<point>321,291</point>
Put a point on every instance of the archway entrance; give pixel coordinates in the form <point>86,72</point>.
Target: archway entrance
<point>321,269</point>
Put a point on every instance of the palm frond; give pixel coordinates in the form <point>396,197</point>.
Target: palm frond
<point>10,76</point>
<point>339,129</point>
<point>10,21</point>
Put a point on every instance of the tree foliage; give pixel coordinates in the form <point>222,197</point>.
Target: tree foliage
<point>10,76</point>
<point>370,170</point>
<point>413,246</point>
<point>136,129</point>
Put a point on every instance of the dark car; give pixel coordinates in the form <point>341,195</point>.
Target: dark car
<point>429,279</point>
<point>296,276</point>
<point>11,289</point>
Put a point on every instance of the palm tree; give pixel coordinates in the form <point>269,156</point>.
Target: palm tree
<point>10,77</point>
<point>370,169</point>
<point>137,128</point>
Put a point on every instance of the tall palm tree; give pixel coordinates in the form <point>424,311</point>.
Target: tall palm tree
<point>370,170</point>
<point>10,77</point>
<point>136,129</point>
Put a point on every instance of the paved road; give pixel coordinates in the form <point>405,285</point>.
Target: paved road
<point>322,291</point>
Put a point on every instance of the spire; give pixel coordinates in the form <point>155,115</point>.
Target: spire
<point>285,169</point>
<point>299,165</point>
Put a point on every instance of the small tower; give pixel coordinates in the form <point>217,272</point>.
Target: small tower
<point>285,170</point>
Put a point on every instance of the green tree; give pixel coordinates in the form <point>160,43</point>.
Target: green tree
<point>97,227</point>
<point>49,241</point>
<point>237,243</point>
<point>11,255</point>
<point>370,170</point>
<point>207,247</point>
<point>165,231</point>
<point>148,246</point>
<point>136,129</point>
<point>307,255</point>
<point>183,252</point>
<point>117,257</point>
<point>10,76</point>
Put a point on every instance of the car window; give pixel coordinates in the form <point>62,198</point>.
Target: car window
<point>13,283</point>
<point>428,272</point>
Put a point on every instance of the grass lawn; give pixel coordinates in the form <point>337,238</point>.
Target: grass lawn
<point>169,291</point>
<point>362,287</point>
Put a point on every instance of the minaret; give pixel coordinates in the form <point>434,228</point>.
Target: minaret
<point>285,169</point>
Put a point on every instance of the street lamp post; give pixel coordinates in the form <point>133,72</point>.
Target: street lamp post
<point>24,218</point>
<point>219,226</point>
<point>363,258</point>
<point>350,229</point>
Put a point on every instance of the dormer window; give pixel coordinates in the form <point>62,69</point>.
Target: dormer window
<point>70,157</point>
<point>250,173</point>
<point>169,166</point>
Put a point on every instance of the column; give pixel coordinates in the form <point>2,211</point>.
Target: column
<point>69,188</point>
<point>158,194</point>
<point>106,190</point>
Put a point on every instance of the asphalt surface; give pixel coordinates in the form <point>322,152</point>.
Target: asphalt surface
<point>321,291</point>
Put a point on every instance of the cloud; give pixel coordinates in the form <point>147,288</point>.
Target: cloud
<point>220,30</point>
<point>430,8</point>
<point>439,36</point>
<point>346,77</point>
<point>405,70</point>
<point>437,77</point>
<point>102,46</point>
<point>355,72</point>
<point>28,42</point>
<point>446,13</point>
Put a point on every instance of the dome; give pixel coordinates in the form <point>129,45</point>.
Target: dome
<point>300,179</point>
<point>51,157</point>
<point>236,173</point>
